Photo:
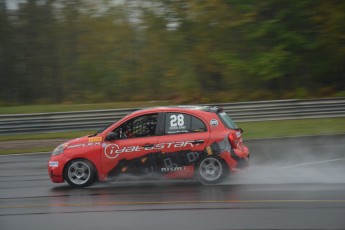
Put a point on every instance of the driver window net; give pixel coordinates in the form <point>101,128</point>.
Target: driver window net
<point>141,127</point>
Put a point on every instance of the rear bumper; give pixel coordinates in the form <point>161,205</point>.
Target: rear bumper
<point>241,156</point>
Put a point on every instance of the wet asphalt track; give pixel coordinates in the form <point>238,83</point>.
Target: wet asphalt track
<point>291,184</point>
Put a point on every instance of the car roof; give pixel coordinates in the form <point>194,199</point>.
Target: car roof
<point>204,108</point>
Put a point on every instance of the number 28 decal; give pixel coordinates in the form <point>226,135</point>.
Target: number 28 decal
<point>176,120</point>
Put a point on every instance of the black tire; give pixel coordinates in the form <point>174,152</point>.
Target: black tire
<point>211,170</point>
<point>80,173</point>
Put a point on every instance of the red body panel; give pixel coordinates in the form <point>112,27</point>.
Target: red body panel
<point>172,155</point>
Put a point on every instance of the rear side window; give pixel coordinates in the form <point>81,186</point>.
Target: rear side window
<point>227,121</point>
<point>183,123</point>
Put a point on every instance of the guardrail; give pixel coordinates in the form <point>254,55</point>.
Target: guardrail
<point>240,112</point>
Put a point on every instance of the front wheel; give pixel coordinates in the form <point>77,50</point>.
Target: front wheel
<point>79,173</point>
<point>211,170</point>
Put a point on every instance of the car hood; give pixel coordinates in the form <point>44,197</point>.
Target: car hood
<point>85,139</point>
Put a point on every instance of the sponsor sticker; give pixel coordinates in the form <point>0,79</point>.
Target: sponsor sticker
<point>76,146</point>
<point>214,122</point>
<point>53,164</point>
<point>172,169</point>
<point>111,151</point>
<point>95,139</point>
<point>83,145</point>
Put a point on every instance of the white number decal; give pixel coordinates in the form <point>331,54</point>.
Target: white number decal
<point>180,120</point>
<point>176,120</point>
<point>173,120</point>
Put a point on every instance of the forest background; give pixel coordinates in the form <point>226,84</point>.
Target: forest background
<point>183,51</point>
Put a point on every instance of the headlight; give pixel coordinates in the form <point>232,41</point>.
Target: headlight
<point>58,150</point>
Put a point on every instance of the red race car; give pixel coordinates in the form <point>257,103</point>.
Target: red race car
<point>200,142</point>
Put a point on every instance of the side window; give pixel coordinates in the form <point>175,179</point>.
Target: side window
<point>198,125</point>
<point>182,123</point>
<point>142,126</point>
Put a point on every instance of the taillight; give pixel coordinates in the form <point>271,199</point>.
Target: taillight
<point>233,140</point>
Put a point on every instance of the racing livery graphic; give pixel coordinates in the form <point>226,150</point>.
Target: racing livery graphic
<point>199,142</point>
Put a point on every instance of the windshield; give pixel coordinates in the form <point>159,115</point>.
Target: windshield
<point>101,130</point>
<point>227,121</point>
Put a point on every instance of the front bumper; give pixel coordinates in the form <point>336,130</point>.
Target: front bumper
<point>56,165</point>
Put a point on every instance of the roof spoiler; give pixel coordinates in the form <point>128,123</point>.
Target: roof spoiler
<point>216,109</point>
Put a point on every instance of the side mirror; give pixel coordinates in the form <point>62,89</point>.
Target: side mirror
<point>111,136</point>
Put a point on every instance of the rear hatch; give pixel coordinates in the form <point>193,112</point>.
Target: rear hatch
<point>235,135</point>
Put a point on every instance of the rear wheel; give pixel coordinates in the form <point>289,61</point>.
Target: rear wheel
<point>211,170</point>
<point>79,173</point>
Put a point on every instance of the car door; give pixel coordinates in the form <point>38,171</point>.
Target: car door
<point>127,152</point>
<point>183,142</point>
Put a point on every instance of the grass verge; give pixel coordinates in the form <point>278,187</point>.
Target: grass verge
<point>284,128</point>
<point>44,136</point>
<point>77,107</point>
<point>27,150</point>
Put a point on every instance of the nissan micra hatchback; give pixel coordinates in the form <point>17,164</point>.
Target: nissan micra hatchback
<point>200,142</point>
